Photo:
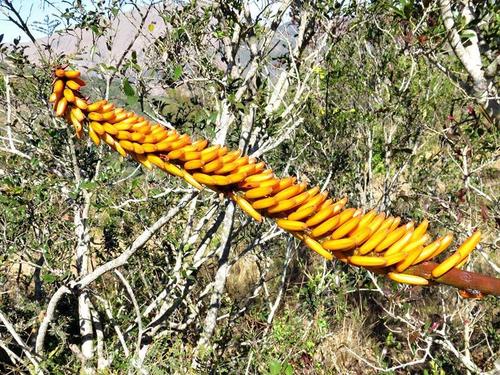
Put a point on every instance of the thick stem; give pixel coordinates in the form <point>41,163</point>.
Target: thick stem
<point>471,282</point>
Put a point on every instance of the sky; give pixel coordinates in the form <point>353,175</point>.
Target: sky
<point>35,10</point>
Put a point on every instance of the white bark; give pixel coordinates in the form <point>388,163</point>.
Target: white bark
<point>220,281</point>
<point>482,89</point>
<point>82,263</point>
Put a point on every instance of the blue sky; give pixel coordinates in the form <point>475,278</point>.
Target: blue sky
<point>36,10</point>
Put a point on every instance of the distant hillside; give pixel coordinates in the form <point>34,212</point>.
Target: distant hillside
<point>81,45</point>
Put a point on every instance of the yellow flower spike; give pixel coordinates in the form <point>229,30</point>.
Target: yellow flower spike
<point>256,179</point>
<point>302,213</point>
<point>156,160</point>
<point>470,244</point>
<point>204,178</point>
<point>282,206</point>
<point>106,107</point>
<point>61,107</point>
<point>210,153</point>
<point>377,222</point>
<point>410,258</point>
<point>142,158</point>
<point>340,244</point>
<point>108,128</point>
<point>120,149</point>
<point>264,203</point>
<point>183,140</point>
<point>193,164</point>
<point>119,117</point>
<point>316,246</point>
<point>407,279</point>
<point>289,192</point>
<point>176,154</point>
<point>191,181</point>
<point>428,251</point>
<point>365,220</point>
<point>395,258</point>
<point>247,207</point>
<point>321,216</point>
<point>347,214</point>
<point>386,223</point>
<point>315,201</point>
<point>284,184</point>
<point>95,116</point>
<point>221,180</point>
<point>222,151</point>
<point>462,263</point>
<point>395,223</point>
<point>227,168</point>
<point>256,193</point>
<point>249,169</point>
<point>121,126</point>
<point>71,74</point>
<point>362,236</point>
<point>345,228</point>
<point>80,103</point>
<point>58,87</point>
<point>231,156</point>
<point>411,245</point>
<point>391,238</point>
<point>53,98</point>
<point>325,227</point>
<point>77,112</point>
<point>122,134</point>
<point>446,265</point>
<point>374,240</point>
<point>138,149</point>
<point>108,116</point>
<point>367,261</point>
<point>60,73</point>
<point>212,166</point>
<point>73,85</point>
<point>128,146</point>
<point>148,147</point>
<point>307,213</point>
<point>445,243</point>
<point>68,94</point>
<point>237,177</point>
<point>96,106</point>
<point>272,183</point>
<point>291,225</point>
<point>420,230</point>
<point>399,244</point>
<point>172,169</point>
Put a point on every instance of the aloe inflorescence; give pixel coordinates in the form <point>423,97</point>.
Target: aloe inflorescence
<point>401,251</point>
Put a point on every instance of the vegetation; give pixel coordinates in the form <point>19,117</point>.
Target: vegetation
<point>376,101</point>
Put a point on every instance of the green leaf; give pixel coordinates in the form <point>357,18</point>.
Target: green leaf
<point>49,278</point>
<point>213,117</point>
<point>88,185</point>
<point>274,367</point>
<point>127,88</point>
<point>177,72</point>
<point>467,34</point>
<point>132,100</point>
